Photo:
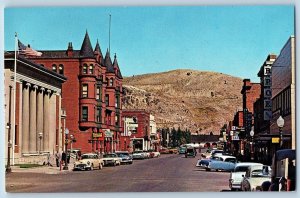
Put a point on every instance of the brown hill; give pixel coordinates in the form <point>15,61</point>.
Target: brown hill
<point>198,100</point>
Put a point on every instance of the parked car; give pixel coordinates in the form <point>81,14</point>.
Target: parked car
<point>89,161</point>
<point>111,159</point>
<point>203,163</point>
<point>284,168</point>
<point>164,151</point>
<point>125,157</point>
<point>154,153</point>
<point>190,152</point>
<point>236,176</point>
<point>138,155</point>
<point>182,150</point>
<point>173,150</point>
<point>255,176</point>
<point>223,163</point>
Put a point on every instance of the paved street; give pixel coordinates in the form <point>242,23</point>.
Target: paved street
<point>169,173</point>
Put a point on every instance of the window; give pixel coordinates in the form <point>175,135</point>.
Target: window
<point>117,101</point>
<point>98,93</point>
<point>84,69</point>
<point>84,91</point>
<point>91,69</point>
<point>98,114</point>
<point>111,82</point>
<point>61,69</point>
<point>117,120</point>
<point>106,99</point>
<point>107,82</point>
<point>84,115</point>
<point>54,68</point>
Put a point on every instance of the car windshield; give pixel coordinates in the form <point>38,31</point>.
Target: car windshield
<point>88,157</point>
<point>259,173</point>
<point>241,169</point>
<point>122,154</point>
<point>109,155</point>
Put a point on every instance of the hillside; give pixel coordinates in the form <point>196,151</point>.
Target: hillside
<point>199,100</point>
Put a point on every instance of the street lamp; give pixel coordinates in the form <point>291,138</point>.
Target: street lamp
<point>280,124</point>
<point>252,134</point>
<point>66,149</point>
<point>71,141</point>
<point>40,137</point>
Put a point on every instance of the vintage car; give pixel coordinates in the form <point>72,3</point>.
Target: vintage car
<point>222,162</point>
<point>125,157</point>
<point>173,151</point>
<point>139,155</point>
<point>111,159</point>
<point>89,161</point>
<point>255,176</point>
<point>182,150</point>
<point>154,153</point>
<point>236,176</point>
<point>190,152</point>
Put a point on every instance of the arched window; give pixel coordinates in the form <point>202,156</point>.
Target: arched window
<point>54,68</point>
<point>91,69</point>
<point>61,69</point>
<point>111,82</point>
<point>84,69</point>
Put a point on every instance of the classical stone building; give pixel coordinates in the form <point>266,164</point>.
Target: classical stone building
<point>91,95</point>
<point>38,116</point>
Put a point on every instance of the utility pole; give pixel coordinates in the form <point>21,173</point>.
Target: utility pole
<point>8,168</point>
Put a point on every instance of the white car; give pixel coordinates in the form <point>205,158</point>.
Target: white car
<point>111,159</point>
<point>89,161</point>
<point>236,176</point>
<point>139,155</point>
<point>255,176</point>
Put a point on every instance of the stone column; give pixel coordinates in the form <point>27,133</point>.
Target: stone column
<point>52,122</point>
<point>32,126</point>
<point>40,119</point>
<point>46,120</point>
<point>25,119</point>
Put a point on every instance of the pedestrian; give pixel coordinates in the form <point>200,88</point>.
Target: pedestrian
<point>63,157</point>
<point>57,158</point>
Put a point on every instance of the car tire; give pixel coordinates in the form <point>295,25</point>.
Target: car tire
<point>92,167</point>
<point>207,169</point>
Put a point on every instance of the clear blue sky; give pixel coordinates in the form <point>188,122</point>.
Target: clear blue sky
<point>230,39</point>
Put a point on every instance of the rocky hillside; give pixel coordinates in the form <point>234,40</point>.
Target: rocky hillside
<point>197,100</point>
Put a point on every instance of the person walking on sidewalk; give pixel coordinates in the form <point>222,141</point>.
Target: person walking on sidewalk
<point>57,158</point>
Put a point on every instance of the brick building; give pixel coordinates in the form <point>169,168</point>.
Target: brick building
<point>251,92</point>
<point>91,95</point>
<point>137,131</point>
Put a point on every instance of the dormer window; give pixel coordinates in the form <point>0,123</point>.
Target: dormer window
<point>54,68</point>
<point>84,69</point>
<point>61,69</point>
<point>111,82</point>
<point>91,69</point>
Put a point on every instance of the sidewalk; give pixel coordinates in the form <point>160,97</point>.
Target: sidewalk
<point>42,169</point>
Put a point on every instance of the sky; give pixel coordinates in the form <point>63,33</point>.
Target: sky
<point>234,40</point>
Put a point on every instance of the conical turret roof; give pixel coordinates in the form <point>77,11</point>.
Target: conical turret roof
<point>97,48</point>
<point>86,47</point>
<point>116,66</point>
<point>108,63</point>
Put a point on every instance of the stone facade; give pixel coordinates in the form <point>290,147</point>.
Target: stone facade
<point>35,131</point>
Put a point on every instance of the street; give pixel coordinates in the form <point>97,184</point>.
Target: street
<point>168,173</point>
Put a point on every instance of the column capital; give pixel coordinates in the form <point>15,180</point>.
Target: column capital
<point>42,89</point>
<point>34,87</point>
<point>49,91</point>
<point>27,84</point>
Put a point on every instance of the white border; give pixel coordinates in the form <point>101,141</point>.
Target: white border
<point>30,3</point>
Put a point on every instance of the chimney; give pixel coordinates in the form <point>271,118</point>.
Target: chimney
<point>70,49</point>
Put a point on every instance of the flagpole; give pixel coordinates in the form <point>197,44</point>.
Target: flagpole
<point>14,102</point>
<point>109,34</point>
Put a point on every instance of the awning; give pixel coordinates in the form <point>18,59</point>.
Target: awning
<point>286,153</point>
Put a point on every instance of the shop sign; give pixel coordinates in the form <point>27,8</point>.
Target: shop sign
<point>97,135</point>
<point>107,133</point>
<point>236,137</point>
<point>275,139</point>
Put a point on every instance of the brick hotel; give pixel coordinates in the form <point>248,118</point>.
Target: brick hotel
<point>91,96</point>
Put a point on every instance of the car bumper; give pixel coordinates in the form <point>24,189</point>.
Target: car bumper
<point>81,167</point>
